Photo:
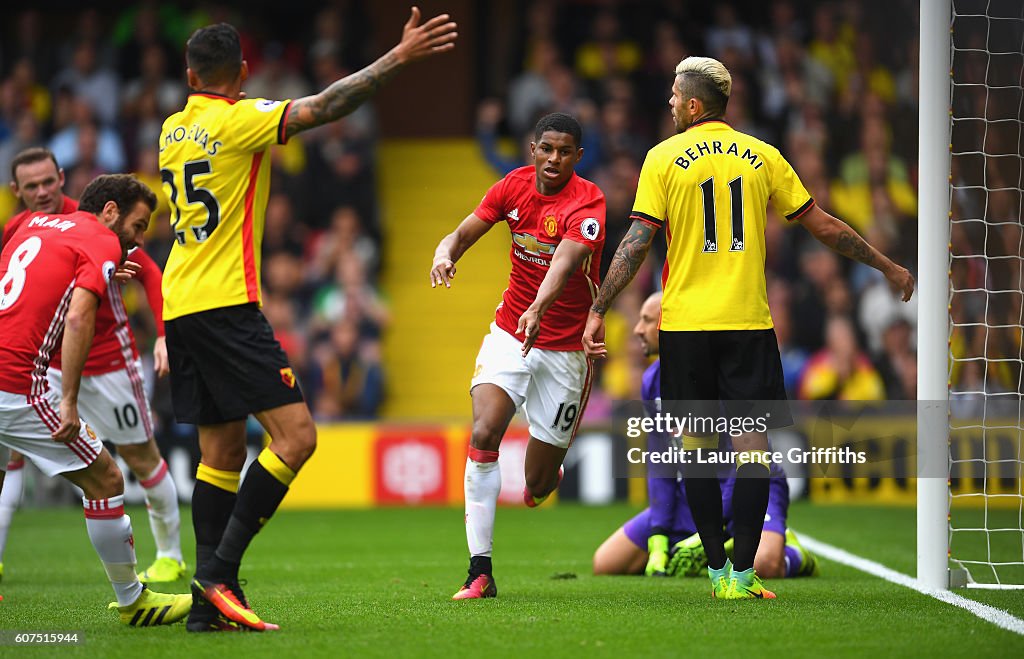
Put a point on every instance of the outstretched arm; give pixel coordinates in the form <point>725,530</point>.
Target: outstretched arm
<point>834,233</point>
<point>453,246</point>
<point>568,258</point>
<point>627,261</point>
<point>343,96</point>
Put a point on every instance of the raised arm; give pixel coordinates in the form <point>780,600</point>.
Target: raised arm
<point>568,258</point>
<point>625,264</point>
<point>453,246</point>
<point>838,235</point>
<point>343,96</point>
<point>79,327</point>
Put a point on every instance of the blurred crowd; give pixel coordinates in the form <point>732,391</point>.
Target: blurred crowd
<point>832,84</point>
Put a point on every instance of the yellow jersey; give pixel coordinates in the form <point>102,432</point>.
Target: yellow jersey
<point>215,169</point>
<point>710,186</point>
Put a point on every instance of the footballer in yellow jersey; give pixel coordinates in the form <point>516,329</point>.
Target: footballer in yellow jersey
<point>215,166</point>
<point>225,362</point>
<point>710,187</point>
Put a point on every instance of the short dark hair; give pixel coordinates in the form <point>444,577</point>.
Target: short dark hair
<point>559,122</point>
<point>123,189</point>
<point>214,53</point>
<point>694,85</point>
<point>29,156</point>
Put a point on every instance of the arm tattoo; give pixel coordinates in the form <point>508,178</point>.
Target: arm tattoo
<point>627,261</point>
<point>342,96</point>
<point>851,245</point>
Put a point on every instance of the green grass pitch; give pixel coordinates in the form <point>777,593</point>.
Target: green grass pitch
<point>379,582</point>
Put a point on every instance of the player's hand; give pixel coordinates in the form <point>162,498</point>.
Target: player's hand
<point>529,327</point>
<point>161,364</point>
<point>127,271</point>
<point>657,548</point>
<point>901,281</point>
<point>442,272</point>
<point>70,422</point>
<point>593,337</point>
<point>418,41</point>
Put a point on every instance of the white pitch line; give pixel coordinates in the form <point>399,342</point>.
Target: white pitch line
<point>997,617</point>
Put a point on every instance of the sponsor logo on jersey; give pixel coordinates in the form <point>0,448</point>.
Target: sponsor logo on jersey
<point>590,228</point>
<point>531,245</point>
<point>267,106</point>
<point>550,225</point>
<point>514,215</point>
<point>288,377</point>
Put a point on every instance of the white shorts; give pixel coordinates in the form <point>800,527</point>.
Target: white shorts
<point>27,428</point>
<point>114,404</point>
<point>552,386</point>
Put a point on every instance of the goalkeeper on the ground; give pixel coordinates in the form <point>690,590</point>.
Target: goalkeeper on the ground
<point>662,540</point>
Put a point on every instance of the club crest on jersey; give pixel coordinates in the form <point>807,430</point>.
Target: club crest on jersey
<point>531,245</point>
<point>89,431</point>
<point>590,228</point>
<point>288,377</point>
<point>550,225</point>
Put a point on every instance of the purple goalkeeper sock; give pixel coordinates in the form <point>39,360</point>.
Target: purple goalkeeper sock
<point>794,559</point>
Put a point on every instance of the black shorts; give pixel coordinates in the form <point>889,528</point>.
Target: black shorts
<point>736,372</point>
<point>226,364</point>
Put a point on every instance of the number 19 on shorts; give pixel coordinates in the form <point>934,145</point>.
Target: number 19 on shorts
<point>565,416</point>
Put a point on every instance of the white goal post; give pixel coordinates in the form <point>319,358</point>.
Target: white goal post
<point>970,486</point>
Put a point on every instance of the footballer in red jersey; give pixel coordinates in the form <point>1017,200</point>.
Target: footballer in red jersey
<point>112,397</point>
<point>557,222</point>
<point>53,274</point>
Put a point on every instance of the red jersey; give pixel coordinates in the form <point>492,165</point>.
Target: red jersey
<point>538,224</point>
<point>48,258</point>
<point>69,206</point>
<point>113,345</point>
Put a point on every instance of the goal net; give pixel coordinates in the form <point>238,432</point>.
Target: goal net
<point>986,248</point>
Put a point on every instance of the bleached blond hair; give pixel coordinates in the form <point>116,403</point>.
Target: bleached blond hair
<point>707,79</point>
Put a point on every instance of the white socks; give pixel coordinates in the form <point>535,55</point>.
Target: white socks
<point>10,499</point>
<point>483,483</point>
<point>110,532</point>
<point>164,519</point>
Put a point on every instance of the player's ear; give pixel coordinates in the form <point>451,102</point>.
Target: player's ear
<point>60,176</point>
<point>14,187</point>
<point>110,212</point>
<point>193,80</point>
<point>244,71</point>
<point>533,149</point>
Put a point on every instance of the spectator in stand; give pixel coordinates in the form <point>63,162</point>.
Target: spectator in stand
<point>88,79</point>
<point>840,371</point>
<point>351,383</point>
<point>728,33</point>
<point>607,51</point>
<point>344,239</point>
<point>277,76</point>
<point>66,144</point>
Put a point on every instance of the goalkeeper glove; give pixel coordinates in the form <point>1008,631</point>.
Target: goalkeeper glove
<point>657,547</point>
